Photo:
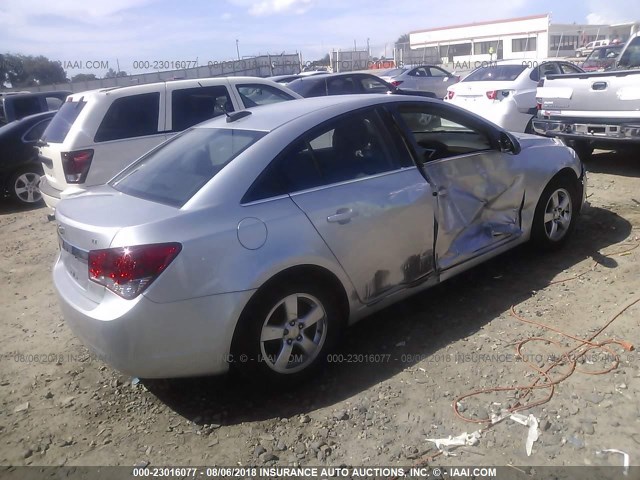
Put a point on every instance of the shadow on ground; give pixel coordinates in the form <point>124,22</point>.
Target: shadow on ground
<point>8,207</point>
<point>425,323</point>
<point>624,163</point>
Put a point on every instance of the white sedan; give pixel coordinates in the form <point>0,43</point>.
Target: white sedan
<point>505,92</point>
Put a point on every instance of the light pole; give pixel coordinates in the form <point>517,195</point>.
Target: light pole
<point>238,48</point>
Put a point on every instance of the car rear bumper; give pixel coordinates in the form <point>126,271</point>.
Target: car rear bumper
<point>504,114</point>
<point>50,195</point>
<point>146,339</point>
<point>572,130</point>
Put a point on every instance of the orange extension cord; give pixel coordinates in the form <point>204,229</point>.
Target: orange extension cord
<point>570,357</point>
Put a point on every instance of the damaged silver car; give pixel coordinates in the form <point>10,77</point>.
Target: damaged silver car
<point>251,241</point>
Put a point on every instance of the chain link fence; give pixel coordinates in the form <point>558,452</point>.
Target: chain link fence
<point>261,66</point>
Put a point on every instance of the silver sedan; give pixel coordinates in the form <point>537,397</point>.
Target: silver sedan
<point>429,78</point>
<point>250,242</point>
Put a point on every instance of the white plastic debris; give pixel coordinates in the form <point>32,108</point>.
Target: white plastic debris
<point>443,444</point>
<point>625,458</point>
<point>532,423</point>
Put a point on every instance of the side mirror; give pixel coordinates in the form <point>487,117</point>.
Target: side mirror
<point>508,143</point>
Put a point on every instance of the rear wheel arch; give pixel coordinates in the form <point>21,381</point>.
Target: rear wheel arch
<point>322,275</point>
<point>318,282</point>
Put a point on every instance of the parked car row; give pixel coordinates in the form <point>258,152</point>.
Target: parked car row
<point>347,84</point>
<point>98,133</point>
<point>505,92</point>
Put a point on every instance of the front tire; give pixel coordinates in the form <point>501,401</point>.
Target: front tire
<point>555,214</point>
<point>285,332</point>
<point>23,186</point>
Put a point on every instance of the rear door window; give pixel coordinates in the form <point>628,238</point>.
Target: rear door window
<point>373,85</point>
<point>62,121</point>
<point>569,68</point>
<point>259,94</point>
<point>353,146</point>
<point>174,173</point>
<point>341,86</point>
<point>129,117</point>
<point>437,72</point>
<point>190,106</point>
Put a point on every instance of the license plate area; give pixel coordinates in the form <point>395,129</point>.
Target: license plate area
<point>76,262</point>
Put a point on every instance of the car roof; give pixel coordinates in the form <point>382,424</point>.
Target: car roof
<point>270,117</point>
<point>150,87</point>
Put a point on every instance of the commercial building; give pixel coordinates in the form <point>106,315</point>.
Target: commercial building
<point>531,37</point>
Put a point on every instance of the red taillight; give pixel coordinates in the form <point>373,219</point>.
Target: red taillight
<point>538,104</point>
<point>492,95</point>
<point>396,83</point>
<point>76,165</point>
<point>450,94</point>
<point>128,271</point>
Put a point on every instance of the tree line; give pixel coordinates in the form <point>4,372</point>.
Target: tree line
<point>28,71</point>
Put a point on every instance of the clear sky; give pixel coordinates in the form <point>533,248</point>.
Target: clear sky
<point>165,30</point>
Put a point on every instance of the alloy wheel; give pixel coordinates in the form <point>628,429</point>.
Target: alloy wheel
<point>557,214</point>
<point>293,333</point>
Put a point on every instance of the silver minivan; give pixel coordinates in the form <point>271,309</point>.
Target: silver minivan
<point>97,133</point>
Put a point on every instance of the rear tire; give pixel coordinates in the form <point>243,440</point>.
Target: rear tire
<point>284,334</point>
<point>555,214</point>
<point>23,186</point>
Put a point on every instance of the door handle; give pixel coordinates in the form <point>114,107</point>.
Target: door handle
<point>342,216</point>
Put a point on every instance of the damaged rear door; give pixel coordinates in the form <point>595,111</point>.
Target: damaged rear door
<point>367,200</point>
<point>479,188</point>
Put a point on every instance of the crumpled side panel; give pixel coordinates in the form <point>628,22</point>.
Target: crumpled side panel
<point>479,204</point>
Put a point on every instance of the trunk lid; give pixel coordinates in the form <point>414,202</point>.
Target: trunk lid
<point>471,92</point>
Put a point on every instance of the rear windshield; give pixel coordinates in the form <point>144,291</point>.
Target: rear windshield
<point>176,171</point>
<point>61,122</point>
<point>309,87</point>
<point>489,73</point>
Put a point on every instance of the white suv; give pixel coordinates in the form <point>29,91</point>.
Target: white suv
<point>96,134</point>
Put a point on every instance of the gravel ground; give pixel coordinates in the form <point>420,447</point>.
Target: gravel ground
<point>61,406</point>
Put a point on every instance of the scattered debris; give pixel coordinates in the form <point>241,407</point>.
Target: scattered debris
<point>443,444</point>
<point>625,458</point>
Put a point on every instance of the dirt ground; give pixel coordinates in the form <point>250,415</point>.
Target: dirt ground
<point>61,406</point>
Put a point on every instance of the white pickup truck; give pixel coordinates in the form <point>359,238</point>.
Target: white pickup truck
<point>594,110</point>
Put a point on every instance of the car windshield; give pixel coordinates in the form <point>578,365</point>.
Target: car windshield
<point>604,53</point>
<point>174,173</point>
<point>495,73</point>
<point>61,123</point>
